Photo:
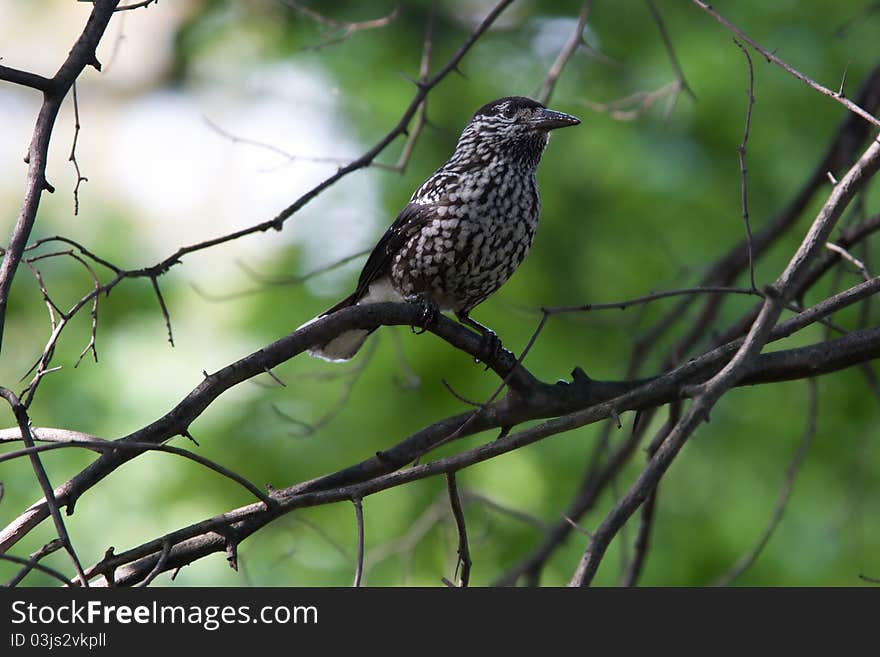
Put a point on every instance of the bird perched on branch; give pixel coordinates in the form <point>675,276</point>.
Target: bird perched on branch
<point>466,229</point>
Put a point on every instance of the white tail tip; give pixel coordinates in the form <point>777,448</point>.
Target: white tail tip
<point>341,348</point>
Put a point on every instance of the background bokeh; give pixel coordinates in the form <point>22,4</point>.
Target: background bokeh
<point>628,207</point>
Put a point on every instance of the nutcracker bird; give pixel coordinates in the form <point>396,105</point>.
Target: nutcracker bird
<point>466,229</point>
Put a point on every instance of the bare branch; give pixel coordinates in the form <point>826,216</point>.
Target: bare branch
<point>359,516</point>
<point>81,55</point>
<point>742,163</point>
<point>343,29</point>
<point>365,160</point>
<point>159,567</point>
<point>846,255</point>
<point>670,50</point>
<point>154,280</point>
<point>770,57</point>
<point>464,553</point>
<point>24,425</point>
<point>25,78</point>
<point>33,564</point>
<point>72,157</point>
<point>61,439</point>
<point>137,5</point>
<point>568,49</point>
<point>707,394</point>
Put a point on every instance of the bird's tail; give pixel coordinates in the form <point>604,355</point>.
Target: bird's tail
<point>345,345</point>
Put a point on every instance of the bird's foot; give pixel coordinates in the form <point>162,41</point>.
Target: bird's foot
<point>430,312</point>
<point>490,347</point>
<point>490,344</point>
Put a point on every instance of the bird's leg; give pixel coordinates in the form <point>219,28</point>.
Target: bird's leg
<point>490,344</point>
<point>430,311</point>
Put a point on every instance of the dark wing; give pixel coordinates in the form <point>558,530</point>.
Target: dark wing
<point>410,221</point>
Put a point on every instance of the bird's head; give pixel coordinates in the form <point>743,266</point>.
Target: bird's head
<point>515,127</point>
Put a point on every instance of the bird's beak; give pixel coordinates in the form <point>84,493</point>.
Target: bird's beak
<point>547,119</point>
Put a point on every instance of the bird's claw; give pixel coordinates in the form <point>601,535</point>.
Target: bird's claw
<point>430,311</point>
<point>490,347</point>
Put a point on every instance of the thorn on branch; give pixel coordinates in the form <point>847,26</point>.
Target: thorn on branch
<point>616,417</point>
<point>232,553</point>
<point>840,91</point>
<point>576,526</point>
<point>579,376</point>
<point>186,434</point>
<point>110,573</point>
<point>272,375</point>
<point>154,279</point>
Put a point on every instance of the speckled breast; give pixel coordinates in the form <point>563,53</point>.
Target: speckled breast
<point>480,235</point>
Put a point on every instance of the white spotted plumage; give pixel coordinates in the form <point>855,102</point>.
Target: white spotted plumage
<point>469,226</point>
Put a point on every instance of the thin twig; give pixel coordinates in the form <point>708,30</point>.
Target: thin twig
<point>422,115</point>
<point>264,281</point>
<point>635,567</point>
<point>741,150</point>
<point>406,544</point>
<point>846,255</point>
<point>49,548</point>
<point>464,552</point>
<point>707,394</point>
<point>136,5</point>
<point>470,496</point>
<point>154,280</point>
<point>571,45</point>
<point>72,158</point>
<point>24,424</point>
<point>160,564</point>
<point>353,375</point>
<point>54,91</point>
<point>770,57</point>
<point>365,160</point>
<point>97,444</point>
<point>30,564</point>
<point>291,157</point>
<point>545,315</point>
<point>670,49</point>
<point>638,301</point>
<point>359,516</point>
<point>633,106</point>
<point>343,29</point>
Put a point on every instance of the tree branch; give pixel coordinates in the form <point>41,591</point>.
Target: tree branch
<point>81,55</point>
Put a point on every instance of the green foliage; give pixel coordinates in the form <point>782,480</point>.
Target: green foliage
<point>628,208</point>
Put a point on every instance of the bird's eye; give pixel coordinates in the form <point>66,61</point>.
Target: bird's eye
<point>509,112</point>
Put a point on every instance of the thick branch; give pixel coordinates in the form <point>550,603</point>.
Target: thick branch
<point>81,55</point>
<point>529,398</point>
<point>708,393</point>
